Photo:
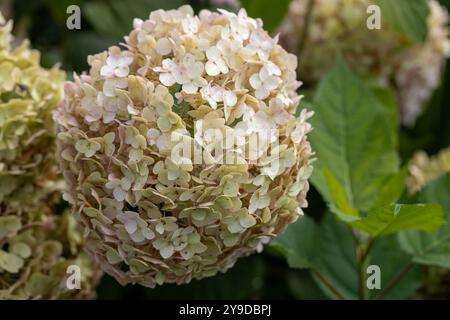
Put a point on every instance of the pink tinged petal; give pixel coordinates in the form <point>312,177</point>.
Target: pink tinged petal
<point>266,45</point>
<point>121,83</point>
<point>212,69</point>
<point>122,71</point>
<point>130,226</point>
<point>222,66</point>
<point>163,46</point>
<point>200,82</point>
<point>94,115</point>
<point>109,88</point>
<point>107,71</point>
<point>190,88</point>
<point>167,79</point>
<point>169,64</point>
<point>263,55</point>
<point>119,194</point>
<point>126,60</point>
<point>162,142</point>
<point>108,116</point>
<point>113,60</point>
<point>213,54</point>
<point>255,81</point>
<point>262,93</point>
<point>216,93</point>
<point>283,117</point>
<point>230,98</point>
<point>196,69</point>
<point>264,74</point>
<point>188,60</point>
<point>132,110</point>
<point>272,83</point>
<point>273,69</point>
<point>248,113</point>
<point>212,104</point>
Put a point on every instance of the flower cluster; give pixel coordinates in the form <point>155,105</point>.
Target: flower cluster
<point>37,249</point>
<point>28,95</point>
<point>340,26</point>
<point>36,245</point>
<point>424,169</point>
<point>150,216</point>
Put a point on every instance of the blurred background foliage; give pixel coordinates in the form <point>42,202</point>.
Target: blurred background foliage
<point>267,275</point>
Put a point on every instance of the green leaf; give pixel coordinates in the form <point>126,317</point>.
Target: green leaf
<point>298,243</point>
<point>352,137</point>
<point>394,218</point>
<point>327,248</point>
<point>339,204</point>
<point>387,254</point>
<point>337,262</point>
<point>271,14</point>
<point>392,189</point>
<point>103,19</point>
<point>431,249</point>
<point>388,105</point>
<point>408,17</point>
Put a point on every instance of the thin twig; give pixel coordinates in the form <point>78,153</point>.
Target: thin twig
<point>394,281</point>
<point>329,285</point>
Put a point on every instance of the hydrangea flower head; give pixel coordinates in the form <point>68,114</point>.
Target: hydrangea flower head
<point>216,82</point>
<point>38,248</point>
<point>424,168</point>
<point>28,95</point>
<point>340,26</point>
<point>36,245</point>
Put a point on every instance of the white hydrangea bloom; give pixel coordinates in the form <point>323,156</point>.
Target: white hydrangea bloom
<point>161,216</point>
<point>414,69</point>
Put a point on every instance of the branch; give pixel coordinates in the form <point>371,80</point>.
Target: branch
<point>394,281</point>
<point>329,285</point>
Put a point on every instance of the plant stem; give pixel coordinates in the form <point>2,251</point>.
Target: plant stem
<point>361,257</point>
<point>367,251</point>
<point>306,23</point>
<point>394,281</point>
<point>329,285</point>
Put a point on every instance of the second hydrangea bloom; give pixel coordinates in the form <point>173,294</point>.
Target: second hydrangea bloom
<point>36,244</point>
<point>153,217</point>
<point>414,69</point>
